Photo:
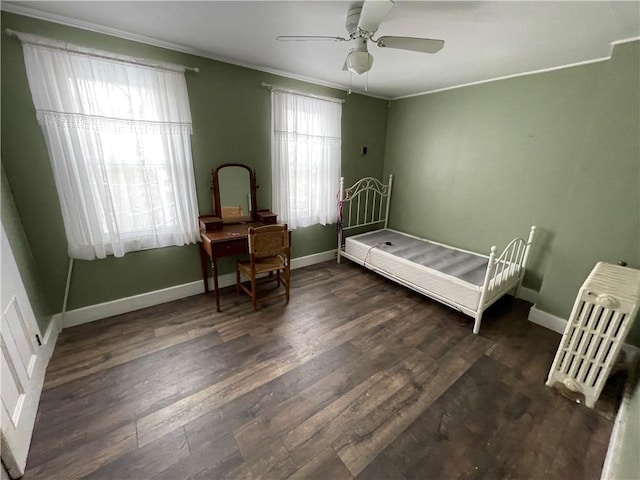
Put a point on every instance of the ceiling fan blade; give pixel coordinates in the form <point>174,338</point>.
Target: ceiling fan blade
<point>311,38</point>
<point>424,45</point>
<point>373,11</point>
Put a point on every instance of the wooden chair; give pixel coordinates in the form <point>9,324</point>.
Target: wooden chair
<point>268,253</point>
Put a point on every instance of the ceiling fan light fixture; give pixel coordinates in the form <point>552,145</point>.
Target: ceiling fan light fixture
<point>362,22</point>
<point>359,62</point>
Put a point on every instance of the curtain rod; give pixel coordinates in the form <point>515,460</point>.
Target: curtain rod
<point>69,47</point>
<point>319,97</point>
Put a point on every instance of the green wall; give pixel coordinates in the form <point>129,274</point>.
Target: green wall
<point>31,275</point>
<point>476,166</point>
<point>231,115</point>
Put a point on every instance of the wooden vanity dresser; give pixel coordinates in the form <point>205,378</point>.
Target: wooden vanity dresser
<point>232,185</point>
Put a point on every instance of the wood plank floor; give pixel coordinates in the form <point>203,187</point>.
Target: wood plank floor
<point>355,378</point>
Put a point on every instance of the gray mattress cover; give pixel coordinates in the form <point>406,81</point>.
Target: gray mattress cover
<point>465,266</point>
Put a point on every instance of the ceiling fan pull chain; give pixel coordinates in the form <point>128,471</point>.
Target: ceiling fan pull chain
<point>350,82</point>
<point>366,83</point>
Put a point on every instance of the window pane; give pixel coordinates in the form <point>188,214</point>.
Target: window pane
<point>118,138</point>
<point>306,158</point>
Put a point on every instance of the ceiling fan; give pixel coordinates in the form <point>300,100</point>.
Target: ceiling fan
<point>362,23</point>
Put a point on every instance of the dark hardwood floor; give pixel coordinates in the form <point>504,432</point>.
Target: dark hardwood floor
<point>355,378</point>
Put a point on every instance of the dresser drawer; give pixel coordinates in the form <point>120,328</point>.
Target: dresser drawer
<point>233,247</point>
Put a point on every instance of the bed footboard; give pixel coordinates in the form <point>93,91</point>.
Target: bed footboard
<point>504,272</point>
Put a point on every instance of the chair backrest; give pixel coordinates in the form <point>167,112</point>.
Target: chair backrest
<point>232,211</point>
<point>268,241</point>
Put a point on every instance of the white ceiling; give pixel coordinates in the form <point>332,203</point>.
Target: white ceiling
<point>483,39</point>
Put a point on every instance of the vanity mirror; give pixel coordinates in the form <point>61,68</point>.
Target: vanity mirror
<point>234,193</point>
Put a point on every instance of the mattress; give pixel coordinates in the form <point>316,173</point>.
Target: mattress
<point>431,268</point>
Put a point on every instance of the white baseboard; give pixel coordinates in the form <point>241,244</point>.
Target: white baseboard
<point>527,294</point>
<point>129,304</point>
<point>547,320</point>
<point>309,260</point>
<point>558,325</point>
<point>149,299</point>
<point>51,336</point>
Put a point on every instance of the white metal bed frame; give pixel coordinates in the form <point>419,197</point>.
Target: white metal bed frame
<point>371,198</point>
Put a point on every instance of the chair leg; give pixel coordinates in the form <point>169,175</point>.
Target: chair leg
<point>254,293</point>
<point>287,281</point>
<point>237,280</point>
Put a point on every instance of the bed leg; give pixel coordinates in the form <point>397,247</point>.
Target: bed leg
<point>340,200</point>
<point>476,325</point>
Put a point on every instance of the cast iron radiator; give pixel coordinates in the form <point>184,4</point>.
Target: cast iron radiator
<point>599,322</point>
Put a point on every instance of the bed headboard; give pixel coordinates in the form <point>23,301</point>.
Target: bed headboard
<point>366,202</point>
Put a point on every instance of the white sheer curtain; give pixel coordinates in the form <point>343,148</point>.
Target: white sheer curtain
<point>118,136</point>
<point>305,158</point>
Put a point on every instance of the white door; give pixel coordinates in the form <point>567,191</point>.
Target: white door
<point>22,365</point>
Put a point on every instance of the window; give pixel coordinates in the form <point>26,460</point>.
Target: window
<point>305,158</point>
<point>118,135</point>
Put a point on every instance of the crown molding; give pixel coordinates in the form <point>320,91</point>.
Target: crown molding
<point>523,74</point>
<point>134,37</point>
<point>62,20</point>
